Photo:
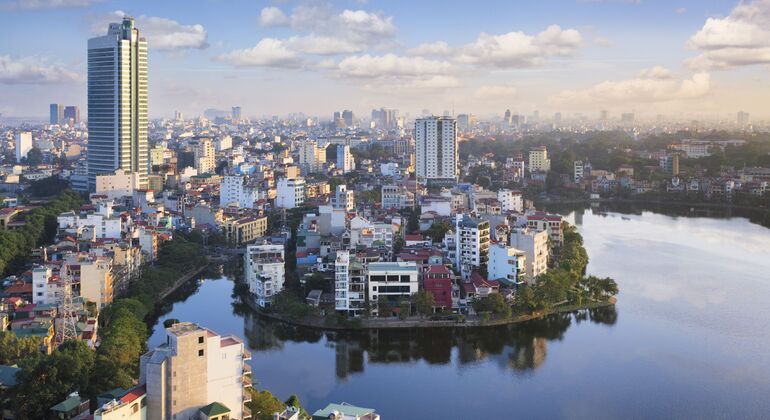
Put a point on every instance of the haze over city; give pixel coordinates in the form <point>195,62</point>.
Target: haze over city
<point>685,59</point>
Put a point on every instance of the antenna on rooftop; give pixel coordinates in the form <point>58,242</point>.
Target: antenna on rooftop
<point>68,330</point>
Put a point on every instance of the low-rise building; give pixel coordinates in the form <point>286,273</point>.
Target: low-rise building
<point>390,281</point>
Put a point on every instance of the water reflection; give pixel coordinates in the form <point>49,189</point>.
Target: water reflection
<point>523,346</point>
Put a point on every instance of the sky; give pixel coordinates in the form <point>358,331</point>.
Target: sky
<point>681,58</point>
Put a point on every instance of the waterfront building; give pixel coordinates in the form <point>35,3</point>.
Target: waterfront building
<point>535,247</point>
<point>345,411</point>
<point>437,280</point>
<point>23,144</point>
<point>551,223</point>
<point>578,171</point>
<point>193,368</point>
<point>538,160</point>
<point>264,271</point>
<point>117,103</point>
<point>391,282</point>
<point>436,148</point>
<point>472,242</point>
<point>239,231</point>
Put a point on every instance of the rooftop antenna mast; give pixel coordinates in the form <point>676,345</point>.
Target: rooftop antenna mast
<point>68,330</point>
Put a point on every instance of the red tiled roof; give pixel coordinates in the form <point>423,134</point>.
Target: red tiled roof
<point>437,269</point>
<point>134,394</point>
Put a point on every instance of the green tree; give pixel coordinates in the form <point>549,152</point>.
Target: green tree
<point>34,157</point>
<point>495,303</point>
<point>14,349</point>
<point>438,230</point>
<point>264,404</point>
<point>424,302</point>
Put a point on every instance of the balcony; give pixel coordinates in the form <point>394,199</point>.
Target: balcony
<point>247,382</point>
<point>246,395</point>
<point>246,354</point>
<point>246,369</point>
<point>246,412</point>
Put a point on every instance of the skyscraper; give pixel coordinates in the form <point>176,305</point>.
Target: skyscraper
<point>743,119</point>
<point>117,103</point>
<point>72,113</point>
<point>436,149</point>
<point>348,117</point>
<point>236,115</point>
<point>57,113</point>
<point>23,144</point>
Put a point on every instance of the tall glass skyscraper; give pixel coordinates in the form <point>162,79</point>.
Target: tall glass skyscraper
<point>117,103</point>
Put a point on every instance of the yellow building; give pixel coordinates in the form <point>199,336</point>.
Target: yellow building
<point>240,231</point>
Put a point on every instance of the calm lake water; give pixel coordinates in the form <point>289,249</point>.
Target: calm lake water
<point>689,338</point>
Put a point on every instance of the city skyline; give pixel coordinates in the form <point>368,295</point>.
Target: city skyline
<point>683,59</point>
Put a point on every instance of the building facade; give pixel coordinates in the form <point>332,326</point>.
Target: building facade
<point>265,271</point>
<point>436,149</point>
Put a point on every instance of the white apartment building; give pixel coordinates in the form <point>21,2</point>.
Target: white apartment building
<point>436,150</point>
<point>535,247</point>
<point>345,160</point>
<point>233,190</point>
<point>46,290</point>
<point>391,281</point>
<point>23,144</point>
<point>205,156</point>
<point>510,200</point>
<point>342,281</point>
<point>290,193</point>
<point>312,156</point>
<point>578,171</point>
<point>223,143</point>
<point>396,197</point>
<point>265,271</point>
<point>538,160</point>
<point>192,369</point>
<point>472,242</point>
<point>116,185</point>
<point>343,199</point>
<point>103,226</point>
<point>507,264</point>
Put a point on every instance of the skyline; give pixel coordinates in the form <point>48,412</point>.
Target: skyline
<point>683,59</point>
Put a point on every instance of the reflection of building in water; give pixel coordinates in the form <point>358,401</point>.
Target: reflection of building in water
<point>386,346</point>
<point>468,352</point>
<point>528,356</point>
<point>260,334</point>
<point>579,216</point>
<point>349,357</point>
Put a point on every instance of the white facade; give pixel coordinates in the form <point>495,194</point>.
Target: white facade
<point>117,103</point>
<point>234,191</point>
<point>472,242</point>
<point>312,157</point>
<point>290,193</point>
<point>44,291</point>
<point>578,171</point>
<point>396,197</point>
<point>510,200</point>
<point>96,280</point>
<point>205,156</point>
<point>265,271</point>
<point>23,144</point>
<point>535,247</point>
<point>538,160</point>
<point>507,263</point>
<point>345,160</point>
<point>436,149</point>
<point>344,199</point>
<point>116,185</point>
<point>224,143</point>
<point>342,281</point>
<point>391,281</point>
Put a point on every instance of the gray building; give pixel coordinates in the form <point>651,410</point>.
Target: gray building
<point>117,103</point>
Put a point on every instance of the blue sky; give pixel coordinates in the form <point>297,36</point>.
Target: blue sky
<point>683,57</point>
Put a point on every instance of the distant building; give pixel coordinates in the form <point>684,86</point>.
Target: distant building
<point>265,271</point>
<point>436,147</point>
<point>510,200</point>
<point>343,199</point>
<point>345,160</point>
<point>23,144</point>
<point>291,193</point>
<point>578,171</point>
<point>236,114</point>
<point>56,114</point>
<point>348,118</point>
<point>538,160</point>
<point>72,113</point>
<point>192,369</point>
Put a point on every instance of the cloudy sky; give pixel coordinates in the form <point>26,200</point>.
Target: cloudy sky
<point>683,58</point>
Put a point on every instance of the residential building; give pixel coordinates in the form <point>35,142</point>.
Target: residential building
<point>396,197</point>
<point>472,242</point>
<point>131,405</point>
<point>96,280</point>
<point>510,200</point>
<point>234,191</point>
<point>551,223</point>
<point>507,264</point>
<point>436,149</point>
<point>345,411</point>
<point>192,369</point>
<point>265,271</point>
<point>23,144</point>
<point>312,156</point>
<point>538,160</point>
<point>117,103</point>
<point>578,171</point>
<point>390,281</point>
<point>345,160</point>
<point>46,288</point>
<point>437,280</point>
<point>205,156</point>
<point>116,185</point>
<point>343,199</point>
<point>535,247</point>
<point>349,286</point>
<point>291,193</point>
<point>239,231</point>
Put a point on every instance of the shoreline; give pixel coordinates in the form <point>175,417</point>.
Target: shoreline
<point>727,206</point>
<point>395,323</point>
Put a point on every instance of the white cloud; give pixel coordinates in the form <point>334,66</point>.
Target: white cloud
<point>680,10</point>
<point>268,52</point>
<point>740,39</point>
<point>273,16</point>
<point>438,48</point>
<point>43,4</point>
<point>389,65</point>
<point>354,27</point>
<point>322,45</point>
<point>657,72</point>
<point>495,92</point>
<point>32,70</point>
<point>162,34</point>
<point>641,89</point>
<point>517,49</point>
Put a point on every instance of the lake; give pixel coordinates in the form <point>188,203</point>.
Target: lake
<point>689,338</point>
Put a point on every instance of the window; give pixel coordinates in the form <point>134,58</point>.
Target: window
<point>200,352</point>
<point>135,408</point>
<point>200,340</point>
